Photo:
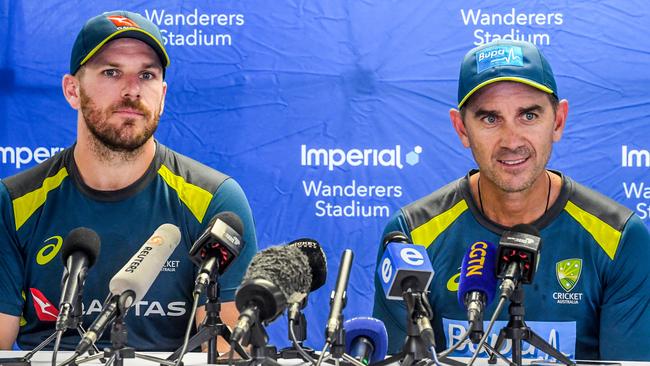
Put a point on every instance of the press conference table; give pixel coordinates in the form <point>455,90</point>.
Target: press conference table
<point>196,359</point>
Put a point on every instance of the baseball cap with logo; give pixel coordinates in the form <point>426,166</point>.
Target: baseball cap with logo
<point>501,60</point>
<point>113,25</point>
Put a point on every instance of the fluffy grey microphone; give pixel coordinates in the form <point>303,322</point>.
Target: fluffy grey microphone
<point>276,276</point>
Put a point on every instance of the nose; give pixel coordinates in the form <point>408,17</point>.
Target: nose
<point>511,137</point>
<point>131,88</point>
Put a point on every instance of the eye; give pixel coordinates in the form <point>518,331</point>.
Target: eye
<point>147,75</point>
<point>529,116</point>
<point>490,119</point>
<point>111,73</point>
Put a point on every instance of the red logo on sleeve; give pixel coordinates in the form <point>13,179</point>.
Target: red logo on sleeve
<point>45,311</point>
<point>122,21</point>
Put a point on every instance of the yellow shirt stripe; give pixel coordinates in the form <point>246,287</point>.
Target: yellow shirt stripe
<point>25,206</point>
<point>606,236</point>
<point>427,233</point>
<point>194,197</point>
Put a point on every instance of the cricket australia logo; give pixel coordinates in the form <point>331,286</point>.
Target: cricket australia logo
<point>568,273</point>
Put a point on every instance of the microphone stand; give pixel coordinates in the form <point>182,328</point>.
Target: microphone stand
<point>211,328</point>
<point>517,331</point>
<point>416,351</point>
<point>75,321</point>
<point>119,334</point>
<point>262,354</point>
<point>299,328</point>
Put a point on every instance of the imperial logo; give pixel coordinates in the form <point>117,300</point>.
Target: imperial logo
<point>45,311</point>
<point>121,21</point>
<point>335,158</point>
<point>499,56</point>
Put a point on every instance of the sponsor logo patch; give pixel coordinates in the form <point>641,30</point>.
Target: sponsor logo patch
<point>45,311</point>
<point>498,56</point>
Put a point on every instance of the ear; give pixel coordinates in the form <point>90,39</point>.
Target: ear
<point>560,119</point>
<point>459,126</point>
<point>71,91</point>
<point>162,100</point>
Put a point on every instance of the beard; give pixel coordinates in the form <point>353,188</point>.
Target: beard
<point>123,138</point>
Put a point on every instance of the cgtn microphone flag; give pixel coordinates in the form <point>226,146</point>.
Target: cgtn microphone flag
<point>401,261</point>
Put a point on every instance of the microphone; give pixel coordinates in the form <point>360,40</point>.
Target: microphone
<point>518,257</point>
<point>317,268</point>
<point>79,252</point>
<point>366,339</point>
<point>405,274</point>
<point>217,247</point>
<point>477,284</point>
<point>338,298</point>
<point>131,283</point>
<point>275,277</point>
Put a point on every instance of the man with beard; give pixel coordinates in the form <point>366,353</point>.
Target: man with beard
<point>590,296</point>
<point>120,182</point>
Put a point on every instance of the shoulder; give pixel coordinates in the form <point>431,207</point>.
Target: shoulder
<point>587,201</point>
<point>47,174</point>
<point>603,218</point>
<point>444,200</point>
<point>178,169</point>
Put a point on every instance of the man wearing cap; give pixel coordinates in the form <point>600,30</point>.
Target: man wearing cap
<point>590,297</point>
<point>117,180</point>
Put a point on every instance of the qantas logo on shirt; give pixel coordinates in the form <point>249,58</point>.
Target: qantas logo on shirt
<point>45,311</point>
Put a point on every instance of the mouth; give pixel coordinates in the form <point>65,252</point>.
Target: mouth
<point>513,162</point>
<point>129,112</point>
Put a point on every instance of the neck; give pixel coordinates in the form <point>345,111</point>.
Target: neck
<point>512,208</point>
<point>103,169</point>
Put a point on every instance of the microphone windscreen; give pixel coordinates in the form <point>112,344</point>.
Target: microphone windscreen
<point>231,219</point>
<point>396,237</point>
<point>142,269</point>
<point>284,266</point>
<point>371,328</point>
<point>316,258</point>
<point>83,240</point>
<point>478,271</point>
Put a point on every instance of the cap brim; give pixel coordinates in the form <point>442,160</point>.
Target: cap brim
<point>160,49</point>
<point>529,82</point>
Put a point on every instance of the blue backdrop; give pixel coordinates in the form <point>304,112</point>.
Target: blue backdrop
<point>332,114</point>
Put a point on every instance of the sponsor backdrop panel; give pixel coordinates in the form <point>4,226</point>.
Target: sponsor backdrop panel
<point>333,114</point>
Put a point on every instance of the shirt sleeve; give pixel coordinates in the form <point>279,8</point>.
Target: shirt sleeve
<point>11,262</point>
<point>625,312</point>
<point>230,197</point>
<point>391,312</point>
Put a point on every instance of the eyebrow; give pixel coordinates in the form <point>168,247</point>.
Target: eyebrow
<point>486,112</point>
<point>153,65</point>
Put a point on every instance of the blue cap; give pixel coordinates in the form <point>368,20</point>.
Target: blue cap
<point>504,60</point>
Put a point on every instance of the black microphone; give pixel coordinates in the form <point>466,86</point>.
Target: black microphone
<point>518,257</point>
<point>317,268</point>
<point>79,252</point>
<point>338,298</point>
<point>131,283</point>
<point>217,247</point>
<point>276,276</point>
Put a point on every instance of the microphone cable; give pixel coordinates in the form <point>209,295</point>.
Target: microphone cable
<point>496,314</point>
<point>57,344</point>
<point>451,349</point>
<point>190,323</point>
<point>297,346</point>
<point>322,354</point>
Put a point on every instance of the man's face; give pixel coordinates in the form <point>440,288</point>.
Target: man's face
<point>122,94</point>
<point>510,128</point>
